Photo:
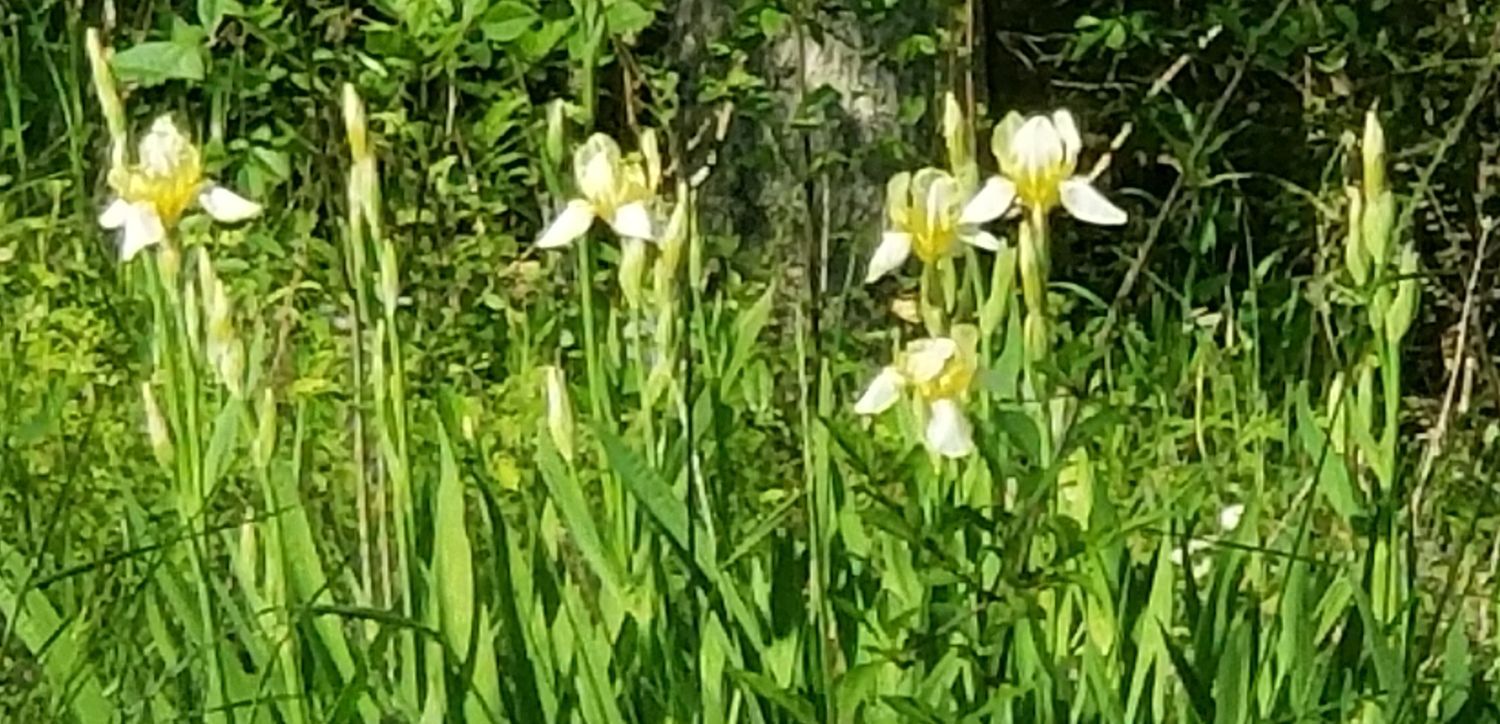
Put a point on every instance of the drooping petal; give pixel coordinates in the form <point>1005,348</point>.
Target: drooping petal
<point>948,431</point>
<point>1229,517</point>
<point>993,200</point>
<point>227,206</point>
<point>632,221</point>
<point>883,392</point>
<point>143,228</point>
<point>925,358</point>
<point>115,215</point>
<point>981,239</point>
<point>894,247</point>
<point>1085,203</point>
<point>1067,132</point>
<point>573,222</point>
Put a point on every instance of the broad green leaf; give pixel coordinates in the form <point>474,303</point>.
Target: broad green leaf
<point>625,17</point>
<point>42,631</point>
<point>747,328</point>
<point>159,61</point>
<point>507,21</point>
<point>660,502</point>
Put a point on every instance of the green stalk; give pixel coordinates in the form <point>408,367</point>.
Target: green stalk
<point>182,400</point>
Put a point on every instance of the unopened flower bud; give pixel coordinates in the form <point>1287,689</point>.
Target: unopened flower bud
<point>249,552</point>
<point>265,430</point>
<point>390,278</point>
<point>1355,259</point>
<point>559,411</point>
<point>109,97</point>
<point>556,131</point>
<point>960,151</point>
<point>651,155</point>
<point>1404,309</point>
<point>354,123</point>
<point>632,270</point>
<point>1338,415</point>
<point>156,427</point>
<point>1372,151</point>
<point>231,368</point>
<point>1002,289</point>
<point>1379,218</point>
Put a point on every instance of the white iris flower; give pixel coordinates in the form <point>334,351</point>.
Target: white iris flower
<point>613,189</point>
<point>166,179</point>
<point>928,216</point>
<point>1038,158</point>
<point>940,371</point>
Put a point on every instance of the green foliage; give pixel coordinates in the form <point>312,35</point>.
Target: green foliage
<point>1250,479</point>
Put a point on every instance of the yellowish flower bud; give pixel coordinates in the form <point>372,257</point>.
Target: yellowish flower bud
<point>1355,259</point>
<point>1338,429</point>
<point>156,428</point>
<point>559,411</point>
<point>1379,218</point>
<point>390,278</point>
<point>265,430</point>
<point>673,246</point>
<point>651,155</point>
<point>1002,289</point>
<point>632,270</point>
<point>556,131</point>
<point>354,123</point>
<point>1404,309</point>
<point>109,97</point>
<point>960,150</point>
<point>231,368</point>
<point>249,552</point>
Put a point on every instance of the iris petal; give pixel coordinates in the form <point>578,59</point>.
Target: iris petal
<point>883,392</point>
<point>993,200</point>
<point>573,222</point>
<point>894,248</point>
<point>948,431</point>
<point>632,221</point>
<point>225,205</point>
<point>1085,203</point>
<point>143,228</point>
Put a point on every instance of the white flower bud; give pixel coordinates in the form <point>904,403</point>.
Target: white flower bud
<point>559,411</point>
<point>156,428</point>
